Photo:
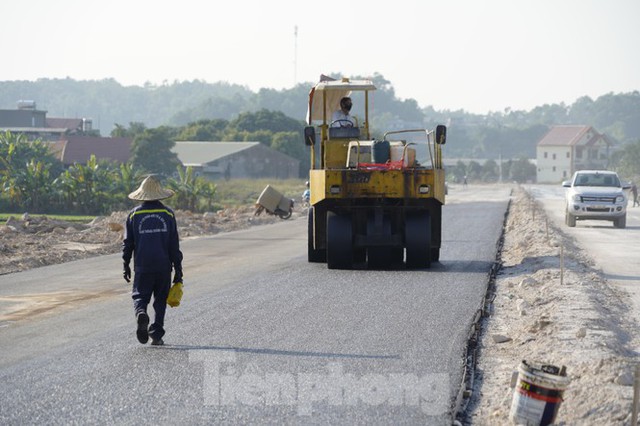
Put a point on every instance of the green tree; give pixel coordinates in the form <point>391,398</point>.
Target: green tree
<point>627,160</point>
<point>490,171</point>
<point>119,131</point>
<point>263,136</point>
<point>126,179</point>
<point>474,170</point>
<point>203,130</point>
<point>25,170</point>
<point>459,171</point>
<point>275,121</point>
<point>151,151</point>
<point>29,187</point>
<point>17,150</point>
<point>191,189</point>
<point>87,188</point>
<point>134,129</point>
<point>522,170</point>
<point>290,143</point>
<point>178,103</point>
<point>206,192</point>
<point>185,188</point>
<point>223,107</point>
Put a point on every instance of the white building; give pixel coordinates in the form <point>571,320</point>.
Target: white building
<point>565,149</point>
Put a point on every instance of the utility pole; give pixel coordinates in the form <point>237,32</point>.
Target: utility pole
<point>295,55</point>
<point>499,127</point>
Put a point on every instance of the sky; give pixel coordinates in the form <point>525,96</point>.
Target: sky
<point>477,55</point>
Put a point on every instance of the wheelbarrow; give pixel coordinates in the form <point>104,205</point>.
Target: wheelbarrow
<point>274,203</point>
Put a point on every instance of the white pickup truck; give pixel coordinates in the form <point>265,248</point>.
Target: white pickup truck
<point>596,195</point>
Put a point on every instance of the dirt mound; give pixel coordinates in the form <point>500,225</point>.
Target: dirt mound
<point>31,241</point>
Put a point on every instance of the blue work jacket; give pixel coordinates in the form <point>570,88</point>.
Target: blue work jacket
<point>151,236</point>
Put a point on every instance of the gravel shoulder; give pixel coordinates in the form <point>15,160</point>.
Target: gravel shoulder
<point>566,316</point>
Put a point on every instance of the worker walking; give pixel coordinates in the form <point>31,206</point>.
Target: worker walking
<point>306,195</point>
<point>151,237</point>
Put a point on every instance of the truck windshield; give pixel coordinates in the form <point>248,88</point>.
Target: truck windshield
<point>597,179</point>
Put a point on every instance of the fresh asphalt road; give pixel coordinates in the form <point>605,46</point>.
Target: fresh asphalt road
<point>261,335</point>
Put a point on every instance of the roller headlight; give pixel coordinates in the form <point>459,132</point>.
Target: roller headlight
<point>424,189</point>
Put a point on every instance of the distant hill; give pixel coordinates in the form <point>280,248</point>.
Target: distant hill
<point>514,133</point>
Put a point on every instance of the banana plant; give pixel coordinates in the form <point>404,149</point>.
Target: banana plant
<point>191,189</point>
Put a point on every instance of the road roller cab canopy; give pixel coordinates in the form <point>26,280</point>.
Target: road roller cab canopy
<point>324,98</point>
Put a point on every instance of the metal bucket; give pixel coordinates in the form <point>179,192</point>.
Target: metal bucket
<point>538,394</point>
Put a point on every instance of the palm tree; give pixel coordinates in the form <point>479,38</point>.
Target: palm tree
<point>206,190</point>
<point>87,188</point>
<point>185,188</point>
<point>25,170</point>
<point>28,187</point>
<point>190,189</point>
<point>127,178</point>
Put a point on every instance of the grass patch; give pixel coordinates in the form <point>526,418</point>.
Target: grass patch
<point>67,218</point>
<point>232,193</point>
<point>242,192</point>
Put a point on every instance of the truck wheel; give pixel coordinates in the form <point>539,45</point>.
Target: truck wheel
<point>621,222</point>
<point>378,257</point>
<point>359,255</point>
<point>417,237</point>
<point>339,241</point>
<point>315,256</point>
<point>397,255</point>
<point>569,219</point>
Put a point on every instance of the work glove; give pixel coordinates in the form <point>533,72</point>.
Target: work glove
<point>177,276</point>
<point>127,273</point>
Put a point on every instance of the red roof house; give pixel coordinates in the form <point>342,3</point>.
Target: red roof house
<point>78,149</point>
<point>566,149</point>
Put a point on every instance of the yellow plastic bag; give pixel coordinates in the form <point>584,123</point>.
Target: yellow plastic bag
<point>175,295</point>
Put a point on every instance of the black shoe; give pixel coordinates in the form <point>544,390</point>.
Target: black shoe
<point>143,327</point>
<point>158,342</point>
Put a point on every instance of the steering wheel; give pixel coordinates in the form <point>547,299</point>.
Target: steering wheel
<point>348,123</point>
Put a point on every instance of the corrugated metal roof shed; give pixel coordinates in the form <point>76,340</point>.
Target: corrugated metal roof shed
<point>195,153</point>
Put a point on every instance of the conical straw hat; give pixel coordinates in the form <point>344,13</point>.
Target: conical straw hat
<point>150,190</point>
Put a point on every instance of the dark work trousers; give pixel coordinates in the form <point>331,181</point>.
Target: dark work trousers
<point>157,284</point>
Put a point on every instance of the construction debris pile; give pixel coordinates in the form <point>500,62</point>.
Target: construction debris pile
<point>31,241</point>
